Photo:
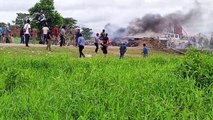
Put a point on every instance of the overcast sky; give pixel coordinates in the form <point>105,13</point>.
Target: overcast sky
<point>97,13</point>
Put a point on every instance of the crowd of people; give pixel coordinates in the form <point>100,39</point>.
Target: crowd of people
<point>56,35</point>
<point>5,34</point>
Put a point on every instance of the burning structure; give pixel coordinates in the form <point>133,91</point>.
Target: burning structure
<point>167,29</point>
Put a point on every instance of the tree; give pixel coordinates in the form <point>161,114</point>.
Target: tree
<point>87,33</point>
<point>70,22</point>
<point>2,24</point>
<point>21,17</point>
<point>52,16</point>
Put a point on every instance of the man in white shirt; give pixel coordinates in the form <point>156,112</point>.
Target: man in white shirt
<point>97,41</point>
<point>27,28</point>
<point>45,31</point>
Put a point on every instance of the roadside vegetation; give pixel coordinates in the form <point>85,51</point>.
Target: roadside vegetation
<point>36,84</point>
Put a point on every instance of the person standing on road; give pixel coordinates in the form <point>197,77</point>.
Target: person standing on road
<point>22,35</point>
<point>49,38</point>
<point>55,34</point>
<point>8,34</point>
<point>45,30</point>
<point>77,35</point>
<point>1,34</point>
<point>62,36</point>
<point>27,28</point>
<point>97,41</point>
<point>81,44</point>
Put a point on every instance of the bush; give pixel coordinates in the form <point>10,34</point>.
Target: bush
<point>14,79</point>
<point>196,66</point>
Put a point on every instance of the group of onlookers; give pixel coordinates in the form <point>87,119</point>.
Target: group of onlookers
<point>5,34</point>
<point>58,37</point>
<point>103,40</point>
<point>53,36</point>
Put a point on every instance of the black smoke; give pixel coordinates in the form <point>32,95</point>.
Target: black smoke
<point>115,32</point>
<point>158,23</point>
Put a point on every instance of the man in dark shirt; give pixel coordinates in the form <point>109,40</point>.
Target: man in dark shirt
<point>103,35</point>
<point>123,50</point>
<point>49,38</point>
<point>105,44</point>
<point>77,35</point>
<point>62,36</point>
<point>22,35</point>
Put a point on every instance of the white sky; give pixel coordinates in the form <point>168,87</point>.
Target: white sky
<point>97,13</point>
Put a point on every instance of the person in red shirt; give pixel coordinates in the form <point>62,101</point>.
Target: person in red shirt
<point>55,35</point>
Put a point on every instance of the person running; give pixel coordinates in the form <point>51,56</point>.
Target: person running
<point>97,40</point>
<point>1,34</point>
<point>22,35</point>
<point>145,50</point>
<point>49,38</point>
<point>27,28</point>
<point>56,35</point>
<point>62,36</point>
<point>105,44</point>
<point>81,44</point>
<point>123,49</point>
<point>45,30</point>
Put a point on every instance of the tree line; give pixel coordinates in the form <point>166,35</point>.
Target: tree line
<point>53,17</point>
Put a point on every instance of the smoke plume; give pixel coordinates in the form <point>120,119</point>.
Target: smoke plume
<point>157,23</point>
<point>115,32</point>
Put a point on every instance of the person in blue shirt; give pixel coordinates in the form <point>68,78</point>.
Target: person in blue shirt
<point>145,50</point>
<point>1,34</point>
<point>123,49</point>
<point>81,44</point>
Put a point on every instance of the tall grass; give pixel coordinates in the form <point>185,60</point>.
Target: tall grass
<point>59,86</point>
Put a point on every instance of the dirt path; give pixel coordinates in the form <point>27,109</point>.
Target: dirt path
<point>113,50</point>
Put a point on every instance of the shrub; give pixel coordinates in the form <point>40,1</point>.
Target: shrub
<point>195,65</point>
<point>15,78</point>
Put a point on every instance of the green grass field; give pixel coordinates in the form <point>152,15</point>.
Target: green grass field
<point>37,84</point>
<point>17,40</point>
